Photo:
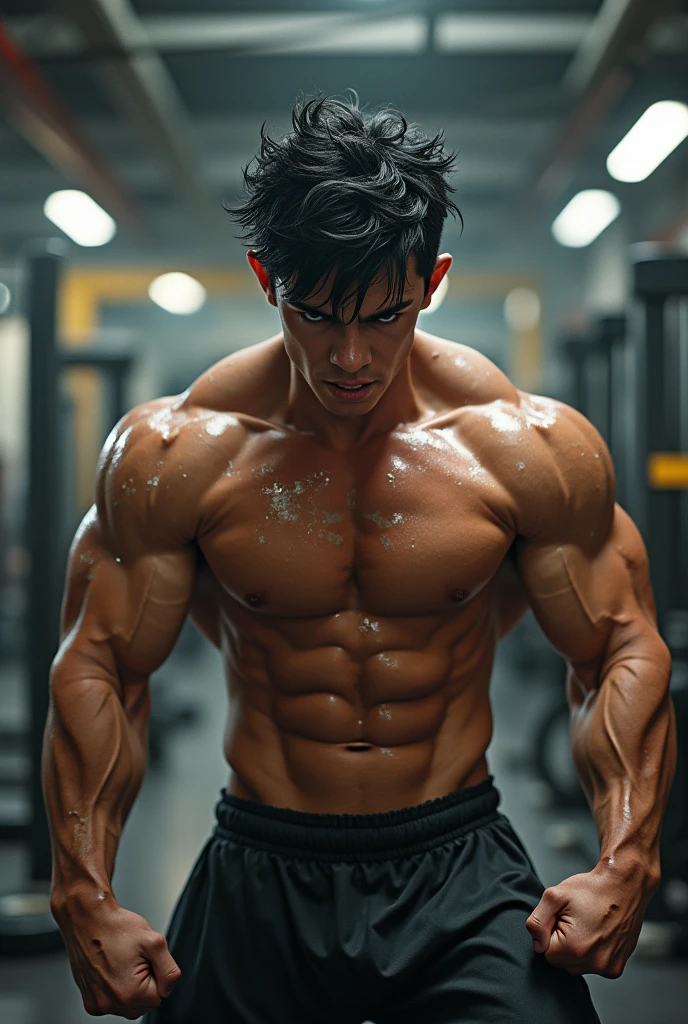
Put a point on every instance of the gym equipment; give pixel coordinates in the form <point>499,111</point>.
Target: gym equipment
<point>25,918</point>
<point>659,505</point>
<point>26,923</point>
<point>552,757</point>
<point>594,358</point>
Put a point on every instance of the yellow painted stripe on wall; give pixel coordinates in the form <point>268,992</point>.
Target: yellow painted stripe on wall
<point>668,470</point>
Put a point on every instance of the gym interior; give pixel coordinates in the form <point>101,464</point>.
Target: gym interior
<point>124,130</point>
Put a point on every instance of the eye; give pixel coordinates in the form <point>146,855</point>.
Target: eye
<point>311,318</point>
<point>391,319</point>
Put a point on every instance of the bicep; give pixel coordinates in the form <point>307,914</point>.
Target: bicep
<point>132,564</point>
<point>123,608</point>
<point>589,603</point>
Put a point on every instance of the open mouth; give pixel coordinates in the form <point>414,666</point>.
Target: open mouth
<point>347,393</point>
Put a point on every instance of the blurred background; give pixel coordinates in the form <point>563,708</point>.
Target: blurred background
<point>124,127</point>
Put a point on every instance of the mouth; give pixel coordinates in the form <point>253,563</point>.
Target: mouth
<point>351,392</point>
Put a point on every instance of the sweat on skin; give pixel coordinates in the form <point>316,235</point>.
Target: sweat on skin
<point>358,674</point>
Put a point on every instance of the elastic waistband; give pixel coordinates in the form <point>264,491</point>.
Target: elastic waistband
<point>357,837</point>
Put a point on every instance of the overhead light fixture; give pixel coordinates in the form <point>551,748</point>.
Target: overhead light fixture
<point>585,217</point>
<point>80,217</point>
<point>652,138</point>
<point>522,310</point>
<point>5,298</point>
<point>438,297</point>
<point>177,293</point>
<point>490,32</point>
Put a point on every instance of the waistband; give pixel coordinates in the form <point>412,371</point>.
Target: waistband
<point>357,837</point>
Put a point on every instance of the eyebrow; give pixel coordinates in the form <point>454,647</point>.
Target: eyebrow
<point>314,311</point>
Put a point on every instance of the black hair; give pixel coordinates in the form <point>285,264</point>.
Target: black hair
<point>346,192</point>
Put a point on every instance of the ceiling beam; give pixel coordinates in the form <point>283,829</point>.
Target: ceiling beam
<point>599,74</point>
<point>141,89</point>
<point>38,116</point>
<point>361,31</point>
<point>399,30</point>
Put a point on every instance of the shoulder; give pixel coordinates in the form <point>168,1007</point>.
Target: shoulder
<point>155,466</point>
<point>459,374</point>
<point>249,381</point>
<point>164,456</point>
<point>555,465</point>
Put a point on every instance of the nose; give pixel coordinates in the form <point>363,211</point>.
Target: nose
<point>350,353</point>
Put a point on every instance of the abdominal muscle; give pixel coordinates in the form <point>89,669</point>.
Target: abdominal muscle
<point>392,714</point>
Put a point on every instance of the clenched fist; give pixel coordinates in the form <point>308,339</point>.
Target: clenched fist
<point>589,923</point>
<point>121,965</point>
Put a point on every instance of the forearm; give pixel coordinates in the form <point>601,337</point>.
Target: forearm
<point>93,763</point>
<point>624,748</point>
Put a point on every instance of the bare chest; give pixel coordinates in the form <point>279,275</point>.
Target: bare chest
<point>416,527</point>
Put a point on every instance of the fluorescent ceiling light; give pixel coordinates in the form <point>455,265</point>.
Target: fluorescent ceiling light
<point>238,30</point>
<point>652,138</point>
<point>288,33</point>
<point>391,35</point>
<point>80,217</point>
<point>438,297</point>
<point>5,298</point>
<point>469,33</point>
<point>585,217</point>
<point>522,310</point>
<point>177,293</point>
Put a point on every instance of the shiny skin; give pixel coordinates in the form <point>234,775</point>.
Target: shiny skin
<point>356,567</point>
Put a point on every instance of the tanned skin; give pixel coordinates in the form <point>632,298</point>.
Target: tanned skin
<point>356,563</point>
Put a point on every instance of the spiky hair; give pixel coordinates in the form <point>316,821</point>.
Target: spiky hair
<point>346,193</point>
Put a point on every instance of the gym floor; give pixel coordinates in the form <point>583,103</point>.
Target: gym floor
<point>173,816</point>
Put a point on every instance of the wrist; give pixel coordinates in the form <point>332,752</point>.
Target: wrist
<point>83,897</point>
<point>632,866</point>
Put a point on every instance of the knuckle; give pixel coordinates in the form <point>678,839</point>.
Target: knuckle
<point>158,941</point>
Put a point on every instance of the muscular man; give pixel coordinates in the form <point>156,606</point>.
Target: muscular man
<point>354,512</point>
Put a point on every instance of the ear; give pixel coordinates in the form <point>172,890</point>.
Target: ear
<point>442,265</point>
<point>263,277</point>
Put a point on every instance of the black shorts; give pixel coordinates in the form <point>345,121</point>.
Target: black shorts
<point>414,916</point>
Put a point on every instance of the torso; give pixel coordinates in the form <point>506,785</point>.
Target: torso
<point>353,597</point>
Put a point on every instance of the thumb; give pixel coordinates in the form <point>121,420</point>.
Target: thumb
<point>541,922</point>
<point>167,972</point>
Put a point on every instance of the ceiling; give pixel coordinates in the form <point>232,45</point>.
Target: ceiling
<point>154,106</point>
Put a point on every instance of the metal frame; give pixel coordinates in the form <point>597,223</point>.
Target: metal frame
<point>44,524</point>
<point>660,388</point>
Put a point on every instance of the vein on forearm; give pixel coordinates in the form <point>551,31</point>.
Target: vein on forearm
<point>93,771</point>
<point>622,737</point>
<point>618,681</point>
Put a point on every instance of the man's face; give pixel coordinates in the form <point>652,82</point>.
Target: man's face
<point>349,366</point>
